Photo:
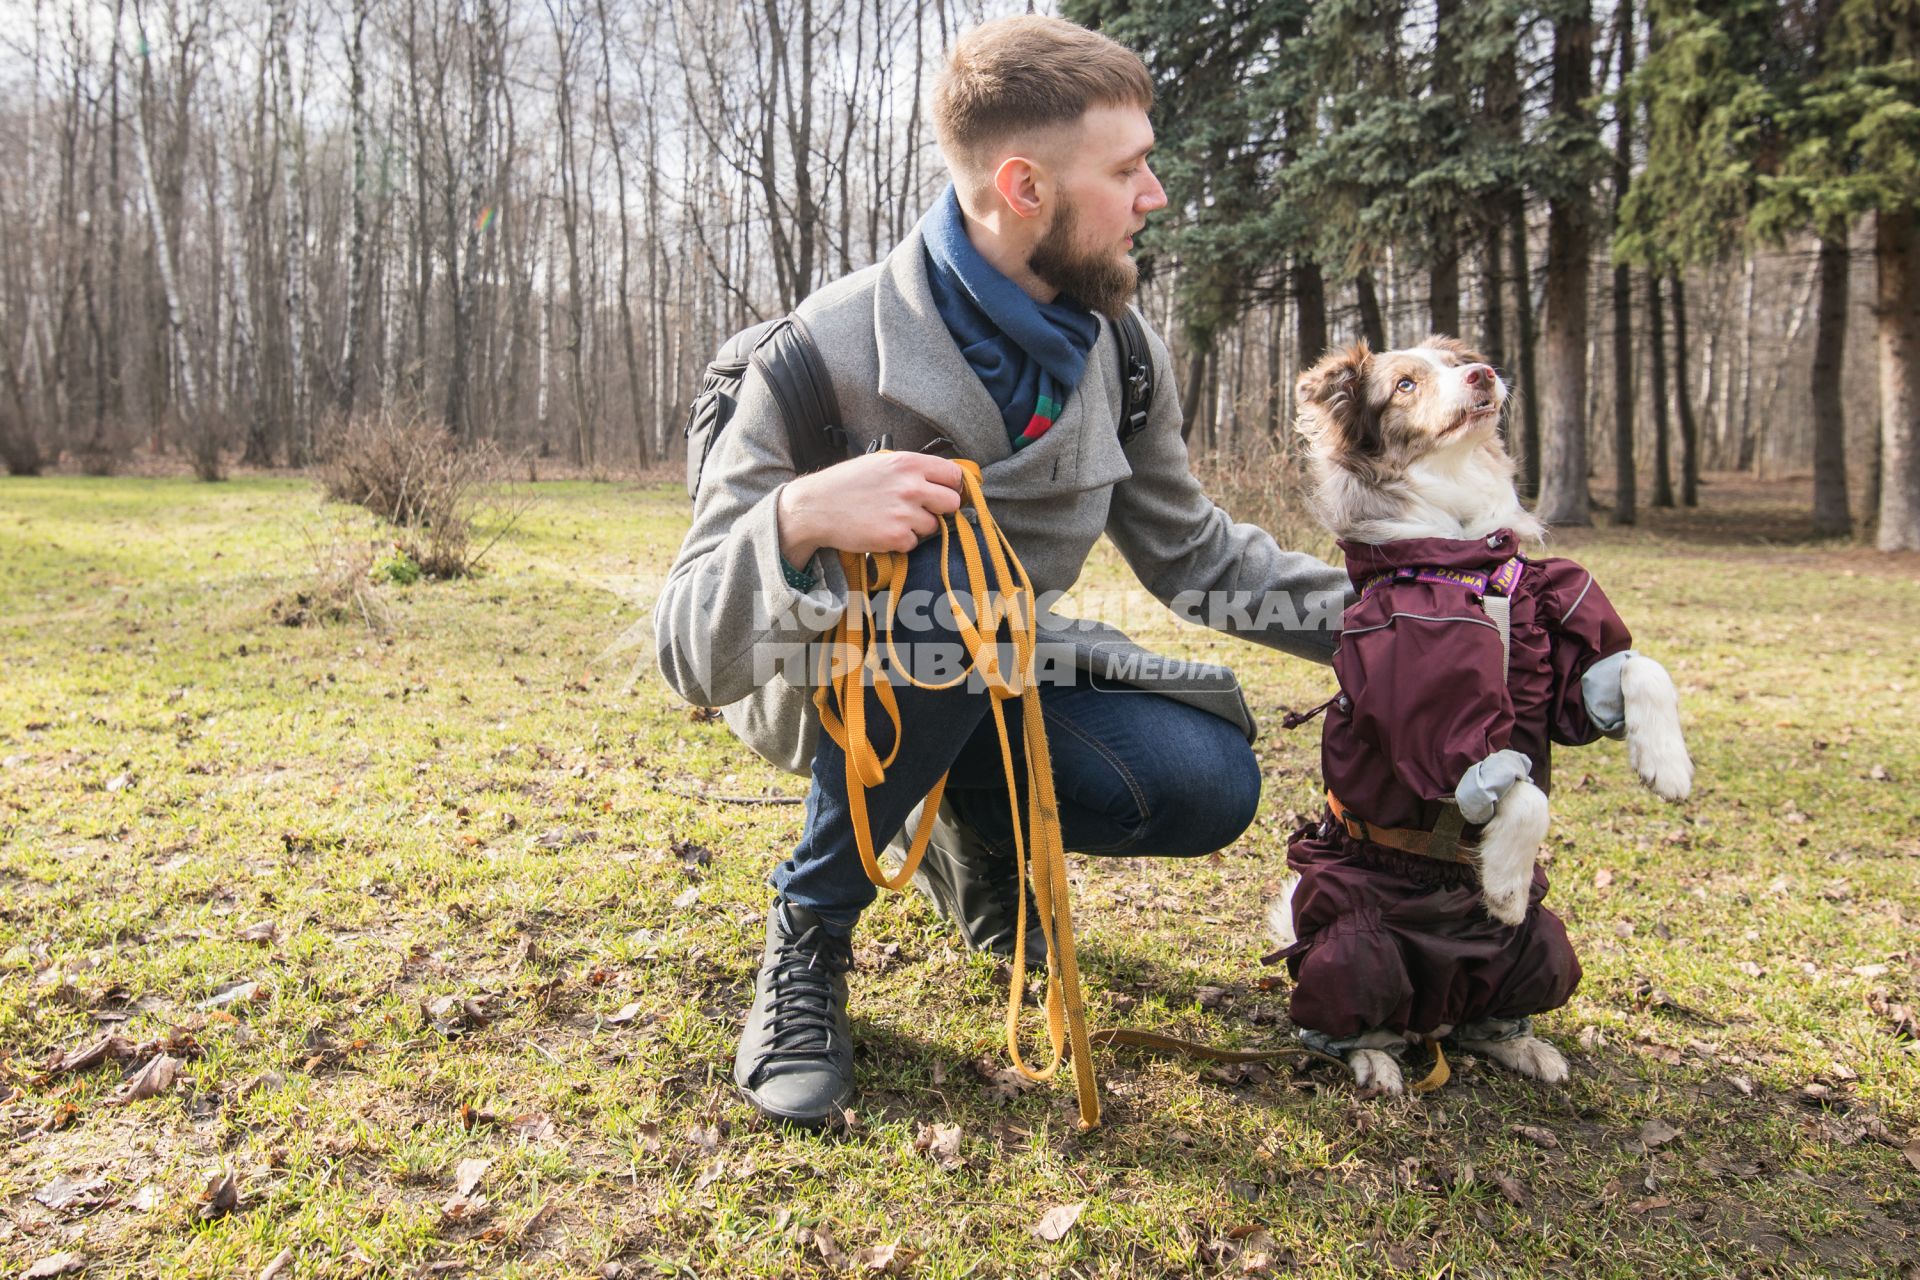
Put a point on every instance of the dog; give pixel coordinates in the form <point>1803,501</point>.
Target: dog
<point>1415,909</point>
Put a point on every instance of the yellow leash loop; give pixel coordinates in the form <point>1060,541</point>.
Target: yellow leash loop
<point>852,661</point>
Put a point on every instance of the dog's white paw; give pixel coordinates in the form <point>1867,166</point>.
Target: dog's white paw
<point>1375,1069</point>
<point>1280,915</point>
<point>1655,746</point>
<point>1527,1055</point>
<point>1507,849</point>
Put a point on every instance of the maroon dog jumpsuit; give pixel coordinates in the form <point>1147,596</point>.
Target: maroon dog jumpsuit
<point>1391,940</point>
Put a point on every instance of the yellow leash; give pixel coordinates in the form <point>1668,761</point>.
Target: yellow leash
<point>852,660</point>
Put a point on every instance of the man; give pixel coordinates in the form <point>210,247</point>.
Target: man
<point>985,333</point>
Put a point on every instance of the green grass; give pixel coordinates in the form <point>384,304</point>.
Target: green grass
<point>496,797</point>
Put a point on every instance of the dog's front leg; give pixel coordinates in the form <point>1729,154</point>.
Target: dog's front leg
<point>1499,792</point>
<point>1655,746</point>
<point>1507,849</point>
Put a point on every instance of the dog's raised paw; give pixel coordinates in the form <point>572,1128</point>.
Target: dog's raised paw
<point>1527,1055</point>
<point>1656,748</point>
<point>1375,1069</point>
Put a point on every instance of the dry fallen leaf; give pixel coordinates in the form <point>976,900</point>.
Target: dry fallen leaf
<point>1512,1188</point>
<point>221,1197</point>
<point>468,1174</point>
<point>1536,1135</point>
<point>150,1081</point>
<point>88,1056</point>
<point>1602,878</point>
<point>1057,1221</point>
<point>884,1259</point>
<point>535,1126</point>
<point>264,931</point>
<point>941,1144</point>
<point>1004,1084</point>
<point>233,993</point>
<point>278,1267</point>
<point>822,1240</point>
<point>1657,1133</point>
<point>1912,1152</point>
<point>626,1013</point>
<point>78,1194</point>
<point>58,1264</point>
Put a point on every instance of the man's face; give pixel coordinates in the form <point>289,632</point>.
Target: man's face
<point>1104,193</point>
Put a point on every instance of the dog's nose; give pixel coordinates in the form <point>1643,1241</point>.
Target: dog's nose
<point>1478,373</point>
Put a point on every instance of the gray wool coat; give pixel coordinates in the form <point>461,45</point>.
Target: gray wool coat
<point>730,631</point>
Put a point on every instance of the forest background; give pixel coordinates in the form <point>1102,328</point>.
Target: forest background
<point>1684,232</point>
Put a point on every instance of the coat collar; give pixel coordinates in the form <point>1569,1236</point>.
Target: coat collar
<point>922,371</point>
<point>1365,559</point>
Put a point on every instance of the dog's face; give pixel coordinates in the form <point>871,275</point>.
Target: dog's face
<point>1374,414</point>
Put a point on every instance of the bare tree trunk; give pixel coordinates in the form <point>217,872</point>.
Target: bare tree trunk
<point>357,237</point>
<point>1493,329</point>
<point>637,402</point>
<point>1310,310</point>
<point>178,356</point>
<point>1898,331</point>
<point>300,446</point>
<point>1193,389</point>
<point>1524,344</point>
<point>1563,477</point>
<point>1683,394</point>
<point>1832,516</point>
<point>1443,276</point>
<point>1745,453</point>
<point>1657,342</point>
<point>1624,494</point>
<point>1372,326</point>
<point>485,40</point>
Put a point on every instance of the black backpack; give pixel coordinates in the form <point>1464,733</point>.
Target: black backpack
<point>791,364</point>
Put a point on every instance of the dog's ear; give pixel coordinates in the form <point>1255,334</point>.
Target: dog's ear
<point>1333,401</point>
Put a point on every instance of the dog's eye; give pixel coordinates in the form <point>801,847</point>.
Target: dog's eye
<point>1405,384</point>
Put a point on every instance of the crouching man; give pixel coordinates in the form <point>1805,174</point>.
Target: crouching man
<point>988,333</point>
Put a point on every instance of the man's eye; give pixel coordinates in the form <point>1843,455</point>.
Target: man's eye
<point>1405,384</point>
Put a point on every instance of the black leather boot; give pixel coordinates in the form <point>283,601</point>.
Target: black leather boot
<point>972,885</point>
<point>795,1061</point>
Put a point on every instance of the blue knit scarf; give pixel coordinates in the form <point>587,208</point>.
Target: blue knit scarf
<point>1030,355</point>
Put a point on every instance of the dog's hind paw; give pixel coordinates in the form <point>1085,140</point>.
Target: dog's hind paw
<point>1527,1055</point>
<point>1375,1069</point>
<point>1655,746</point>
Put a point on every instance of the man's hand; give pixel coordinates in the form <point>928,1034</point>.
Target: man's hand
<point>875,502</point>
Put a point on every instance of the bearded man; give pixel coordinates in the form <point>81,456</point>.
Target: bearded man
<point>986,334</point>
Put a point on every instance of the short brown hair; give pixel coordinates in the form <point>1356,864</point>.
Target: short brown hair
<point>1015,74</point>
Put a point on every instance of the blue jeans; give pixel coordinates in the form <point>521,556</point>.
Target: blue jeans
<point>1134,772</point>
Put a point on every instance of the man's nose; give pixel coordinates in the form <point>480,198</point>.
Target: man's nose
<point>1155,197</point>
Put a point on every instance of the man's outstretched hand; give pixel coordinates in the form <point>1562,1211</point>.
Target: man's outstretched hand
<point>875,502</point>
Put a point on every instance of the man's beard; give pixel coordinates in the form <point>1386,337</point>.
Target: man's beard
<point>1100,282</point>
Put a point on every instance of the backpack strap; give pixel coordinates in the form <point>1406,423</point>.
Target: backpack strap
<point>790,362</point>
<point>1136,375</point>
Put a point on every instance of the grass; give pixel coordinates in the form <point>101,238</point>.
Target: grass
<point>494,798</point>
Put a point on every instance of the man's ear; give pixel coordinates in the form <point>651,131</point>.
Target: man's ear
<point>1018,180</point>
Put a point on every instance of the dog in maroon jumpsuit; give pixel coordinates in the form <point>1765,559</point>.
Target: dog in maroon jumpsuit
<point>1417,912</point>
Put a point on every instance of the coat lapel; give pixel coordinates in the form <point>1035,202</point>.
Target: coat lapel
<point>922,371</point>
<point>921,368</point>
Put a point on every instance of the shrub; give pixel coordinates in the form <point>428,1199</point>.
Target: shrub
<point>410,471</point>
<point>340,587</point>
<point>1265,482</point>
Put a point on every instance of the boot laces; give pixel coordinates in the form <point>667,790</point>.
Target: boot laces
<point>801,1009</point>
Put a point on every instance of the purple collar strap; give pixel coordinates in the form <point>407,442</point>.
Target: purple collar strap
<point>1500,582</point>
